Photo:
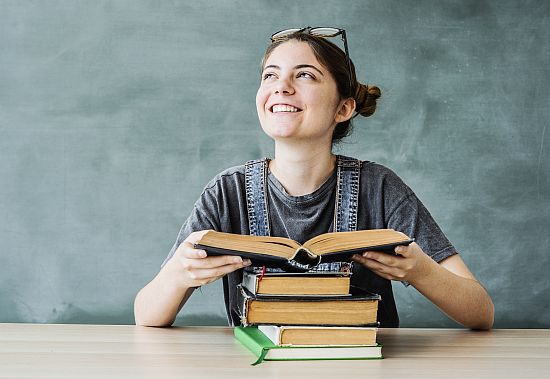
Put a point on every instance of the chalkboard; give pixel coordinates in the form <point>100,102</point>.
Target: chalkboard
<point>115,114</point>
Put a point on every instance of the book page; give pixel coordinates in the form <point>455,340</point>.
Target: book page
<point>341,241</point>
<point>277,246</point>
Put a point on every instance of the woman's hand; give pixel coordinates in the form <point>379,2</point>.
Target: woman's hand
<point>195,268</point>
<point>408,263</point>
<point>158,303</point>
<point>450,285</point>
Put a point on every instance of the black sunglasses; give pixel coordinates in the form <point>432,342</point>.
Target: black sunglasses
<point>323,32</point>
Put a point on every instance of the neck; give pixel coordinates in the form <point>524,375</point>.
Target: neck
<point>302,171</point>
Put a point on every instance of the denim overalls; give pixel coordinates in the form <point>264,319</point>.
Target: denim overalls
<point>345,219</point>
<point>345,209</point>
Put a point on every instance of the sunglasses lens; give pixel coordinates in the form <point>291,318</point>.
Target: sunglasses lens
<point>284,33</point>
<point>325,32</point>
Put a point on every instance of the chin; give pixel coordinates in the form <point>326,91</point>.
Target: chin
<point>279,131</point>
<point>279,135</point>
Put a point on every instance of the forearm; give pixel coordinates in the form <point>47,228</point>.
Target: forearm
<point>462,299</point>
<point>158,303</point>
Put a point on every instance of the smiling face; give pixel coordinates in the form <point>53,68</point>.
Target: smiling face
<point>298,98</point>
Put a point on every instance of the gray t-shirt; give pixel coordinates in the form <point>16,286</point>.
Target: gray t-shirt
<point>385,201</point>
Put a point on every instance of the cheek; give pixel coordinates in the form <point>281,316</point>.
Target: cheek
<point>327,105</point>
<point>261,98</point>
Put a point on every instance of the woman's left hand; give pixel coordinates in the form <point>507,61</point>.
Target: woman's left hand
<point>408,263</point>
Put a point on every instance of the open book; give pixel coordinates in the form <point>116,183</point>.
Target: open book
<point>292,256</point>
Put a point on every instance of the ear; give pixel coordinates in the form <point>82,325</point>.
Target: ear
<point>345,110</point>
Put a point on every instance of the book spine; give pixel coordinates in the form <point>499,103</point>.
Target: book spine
<point>304,259</point>
<point>250,282</point>
<point>250,343</point>
<point>242,303</point>
<point>273,332</point>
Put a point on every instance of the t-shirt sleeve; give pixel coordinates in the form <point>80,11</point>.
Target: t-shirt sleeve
<point>204,215</point>
<point>407,214</point>
<point>412,218</point>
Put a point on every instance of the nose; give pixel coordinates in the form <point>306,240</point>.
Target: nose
<point>284,86</point>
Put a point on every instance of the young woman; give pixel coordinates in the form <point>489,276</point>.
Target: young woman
<point>307,97</point>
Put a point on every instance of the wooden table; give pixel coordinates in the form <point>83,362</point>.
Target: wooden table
<point>109,351</point>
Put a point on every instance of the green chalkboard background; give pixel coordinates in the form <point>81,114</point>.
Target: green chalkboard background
<point>115,114</point>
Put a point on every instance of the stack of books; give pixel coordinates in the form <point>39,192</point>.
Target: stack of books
<point>297,314</point>
<point>306,316</point>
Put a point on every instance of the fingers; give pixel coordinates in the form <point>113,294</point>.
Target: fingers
<point>370,260</point>
<point>384,258</point>
<point>196,258</point>
<point>194,237</point>
<point>217,261</point>
<point>385,265</point>
<point>409,250</point>
<point>188,251</point>
<point>403,251</point>
<point>377,267</point>
<point>207,275</point>
<point>196,268</point>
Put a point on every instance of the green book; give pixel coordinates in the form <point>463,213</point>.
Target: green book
<point>265,350</point>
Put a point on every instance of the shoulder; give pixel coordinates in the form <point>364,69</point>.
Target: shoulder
<point>224,190</point>
<point>382,177</point>
<point>229,177</point>
<point>377,169</point>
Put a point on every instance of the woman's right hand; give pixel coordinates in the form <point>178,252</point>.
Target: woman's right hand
<point>195,268</point>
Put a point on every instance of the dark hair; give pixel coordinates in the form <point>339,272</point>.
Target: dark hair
<point>334,60</point>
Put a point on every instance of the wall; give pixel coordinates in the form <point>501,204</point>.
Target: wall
<point>115,114</point>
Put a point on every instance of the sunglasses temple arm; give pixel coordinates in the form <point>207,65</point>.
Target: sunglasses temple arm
<point>345,39</point>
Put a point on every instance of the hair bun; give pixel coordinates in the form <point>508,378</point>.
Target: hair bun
<point>365,99</point>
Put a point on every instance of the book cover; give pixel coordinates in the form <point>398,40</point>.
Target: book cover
<point>283,283</point>
<point>265,350</point>
<point>359,308</point>
<point>291,256</point>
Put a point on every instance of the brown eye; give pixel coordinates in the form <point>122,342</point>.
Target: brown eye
<point>305,74</point>
<point>268,75</point>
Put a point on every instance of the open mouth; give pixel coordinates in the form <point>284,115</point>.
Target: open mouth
<point>284,108</point>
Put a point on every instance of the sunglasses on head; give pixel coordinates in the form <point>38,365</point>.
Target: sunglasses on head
<point>323,32</point>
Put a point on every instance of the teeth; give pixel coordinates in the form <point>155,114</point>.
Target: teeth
<point>284,108</point>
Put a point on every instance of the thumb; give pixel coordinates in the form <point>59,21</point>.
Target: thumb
<point>194,237</point>
<point>404,250</point>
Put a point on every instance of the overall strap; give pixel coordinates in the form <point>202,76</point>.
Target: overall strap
<point>348,172</point>
<point>347,194</point>
<point>256,197</point>
<point>256,202</point>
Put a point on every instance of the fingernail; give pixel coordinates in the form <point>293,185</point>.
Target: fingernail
<point>247,262</point>
<point>202,254</point>
<point>367,255</point>
<point>237,260</point>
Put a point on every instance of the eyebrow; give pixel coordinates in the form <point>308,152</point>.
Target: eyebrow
<point>297,67</point>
